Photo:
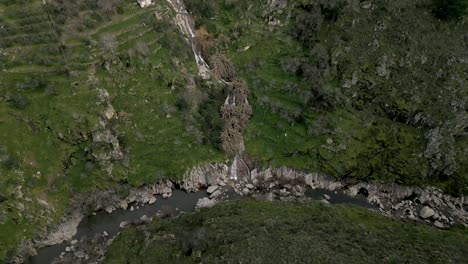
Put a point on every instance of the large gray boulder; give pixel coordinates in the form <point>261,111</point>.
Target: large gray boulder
<point>426,212</point>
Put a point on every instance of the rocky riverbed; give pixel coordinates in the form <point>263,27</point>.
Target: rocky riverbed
<point>426,205</point>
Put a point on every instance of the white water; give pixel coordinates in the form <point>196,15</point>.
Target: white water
<point>183,21</point>
<point>187,29</point>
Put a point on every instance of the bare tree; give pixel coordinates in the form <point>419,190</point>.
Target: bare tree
<point>222,68</point>
<point>236,113</point>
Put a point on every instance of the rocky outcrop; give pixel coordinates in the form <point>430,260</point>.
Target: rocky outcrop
<point>205,175</point>
<point>144,3</point>
<point>428,205</point>
<point>106,147</point>
<point>62,232</point>
<point>107,200</point>
<point>87,250</point>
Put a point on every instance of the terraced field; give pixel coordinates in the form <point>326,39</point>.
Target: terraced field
<point>53,70</point>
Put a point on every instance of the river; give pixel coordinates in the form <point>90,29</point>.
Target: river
<point>180,201</point>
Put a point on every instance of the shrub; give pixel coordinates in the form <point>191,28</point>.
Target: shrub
<point>291,65</point>
<point>33,83</point>
<point>18,101</point>
<point>449,9</point>
<point>203,8</point>
<point>10,162</point>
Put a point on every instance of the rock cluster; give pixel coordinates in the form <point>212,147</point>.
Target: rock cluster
<point>106,148</point>
<point>205,175</point>
<point>107,200</point>
<point>144,195</point>
<point>87,250</point>
<point>428,205</point>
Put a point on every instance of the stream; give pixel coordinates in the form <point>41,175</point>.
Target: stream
<point>180,201</point>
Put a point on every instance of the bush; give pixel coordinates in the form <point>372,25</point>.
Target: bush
<point>291,65</point>
<point>10,162</point>
<point>203,8</point>
<point>449,9</point>
<point>33,83</point>
<point>18,101</point>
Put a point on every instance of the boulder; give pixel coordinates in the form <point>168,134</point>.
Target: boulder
<point>152,200</point>
<point>212,189</point>
<point>145,219</point>
<point>438,224</point>
<point>217,193</point>
<point>124,205</point>
<point>144,3</point>
<point>80,254</point>
<point>270,196</point>
<point>205,203</point>
<point>426,212</point>
<point>326,196</point>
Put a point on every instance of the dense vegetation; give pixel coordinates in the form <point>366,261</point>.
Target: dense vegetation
<point>95,93</point>
<point>249,231</point>
<point>372,90</point>
<point>55,61</point>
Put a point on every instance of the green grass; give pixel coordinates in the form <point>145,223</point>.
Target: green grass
<point>50,129</point>
<point>249,231</point>
<point>368,140</point>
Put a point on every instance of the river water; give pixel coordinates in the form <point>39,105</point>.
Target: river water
<point>103,221</point>
<point>180,201</point>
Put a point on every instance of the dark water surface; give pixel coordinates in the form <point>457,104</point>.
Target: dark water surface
<point>110,223</point>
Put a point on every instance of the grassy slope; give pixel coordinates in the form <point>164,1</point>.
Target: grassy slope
<point>249,231</point>
<point>52,133</point>
<point>361,137</point>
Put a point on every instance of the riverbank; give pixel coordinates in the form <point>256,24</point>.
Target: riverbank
<point>212,185</point>
<point>256,231</point>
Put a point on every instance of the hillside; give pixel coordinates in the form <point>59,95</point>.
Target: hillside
<point>373,91</point>
<point>89,99</point>
<point>251,231</point>
<point>100,94</point>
